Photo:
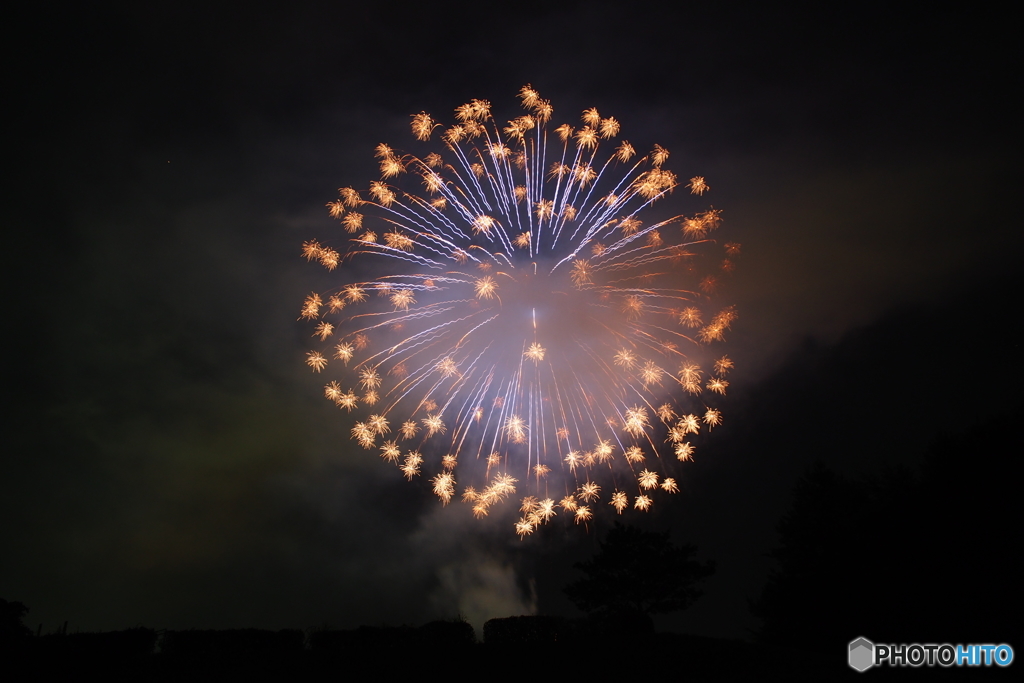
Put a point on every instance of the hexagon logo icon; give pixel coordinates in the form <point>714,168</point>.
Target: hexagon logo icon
<point>862,654</point>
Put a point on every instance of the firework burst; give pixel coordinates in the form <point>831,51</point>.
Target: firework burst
<point>534,309</point>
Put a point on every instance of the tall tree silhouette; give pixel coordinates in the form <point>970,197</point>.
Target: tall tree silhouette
<point>903,557</point>
<point>12,629</point>
<point>639,572</point>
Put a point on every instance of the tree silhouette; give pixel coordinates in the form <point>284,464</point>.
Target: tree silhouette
<point>905,556</point>
<point>639,572</point>
<point>12,629</point>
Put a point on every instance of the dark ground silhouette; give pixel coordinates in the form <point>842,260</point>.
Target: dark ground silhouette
<point>514,647</point>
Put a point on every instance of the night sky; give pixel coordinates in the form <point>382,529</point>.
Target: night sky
<point>171,461</point>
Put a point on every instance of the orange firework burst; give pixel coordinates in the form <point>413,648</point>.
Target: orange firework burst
<point>536,311</point>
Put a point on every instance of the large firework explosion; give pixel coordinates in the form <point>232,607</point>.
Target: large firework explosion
<point>528,327</point>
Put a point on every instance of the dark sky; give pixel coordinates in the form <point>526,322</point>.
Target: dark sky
<point>171,461</point>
